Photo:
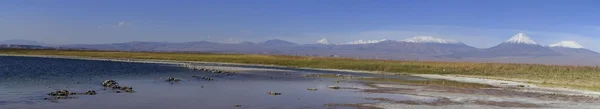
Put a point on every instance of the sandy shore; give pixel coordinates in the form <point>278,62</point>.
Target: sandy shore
<point>511,84</point>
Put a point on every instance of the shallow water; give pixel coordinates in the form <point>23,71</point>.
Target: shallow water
<point>25,81</point>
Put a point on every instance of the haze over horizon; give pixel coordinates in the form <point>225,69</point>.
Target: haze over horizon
<point>477,23</point>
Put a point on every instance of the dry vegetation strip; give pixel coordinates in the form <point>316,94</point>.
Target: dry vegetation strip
<point>583,77</point>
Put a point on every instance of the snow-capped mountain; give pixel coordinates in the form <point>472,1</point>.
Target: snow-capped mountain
<point>572,48</point>
<point>520,38</point>
<point>323,41</point>
<point>366,41</point>
<point>518,45</point>
<point>429,39</point>
<point>567,44</point>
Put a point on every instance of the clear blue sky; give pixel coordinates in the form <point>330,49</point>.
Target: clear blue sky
<point>480,23</point>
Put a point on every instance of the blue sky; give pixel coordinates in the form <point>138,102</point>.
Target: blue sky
<point>480,23</point>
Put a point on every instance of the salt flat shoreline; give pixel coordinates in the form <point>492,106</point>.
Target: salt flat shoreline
<point>498,83</point>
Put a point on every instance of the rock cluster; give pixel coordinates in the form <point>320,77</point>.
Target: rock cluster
<point>114,85</point>
<point>217,71</point>
<point>60,93</point>
<point>65,94</point>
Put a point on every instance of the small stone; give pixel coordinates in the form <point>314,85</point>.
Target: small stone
<point>334,87</point>
<point>274,93</point>
<point>171,79</point>
<point>207,78</point>
<point>91,92</point>
<point>238,105</point>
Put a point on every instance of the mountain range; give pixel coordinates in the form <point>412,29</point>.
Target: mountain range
<point>22,42</point>
<point>518,49</point>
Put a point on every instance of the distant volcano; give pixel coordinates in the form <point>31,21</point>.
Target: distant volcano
<point>518,45</point>
<point>323,41</point>
<point>572,48</point>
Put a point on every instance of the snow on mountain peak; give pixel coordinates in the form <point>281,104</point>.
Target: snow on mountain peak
<point>520,38</point>
<point>366,41</point>
<point>429,39</point>
<point>567,44</point>
<point>324,41</point>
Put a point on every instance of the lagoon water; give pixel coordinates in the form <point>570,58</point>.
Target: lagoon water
<point>24,82</point>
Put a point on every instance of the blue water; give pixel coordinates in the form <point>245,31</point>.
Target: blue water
<point>24,82</point>
<point>28,71</point>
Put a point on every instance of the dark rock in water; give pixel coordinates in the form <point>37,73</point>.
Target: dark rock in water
<point>127,89</point>
<point>312,89</point>
<point>114,85</point>
<point>60,93</point>
<point>274,93</point>
<point>65,94</point>
<point>217,71</point>
<point>208,78</point>
<point>91,92</point>
<point>238,105</point>
<point>109,83</point>
<point>205,78</point>
<point>334,87</point>
<point>171,79</point>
